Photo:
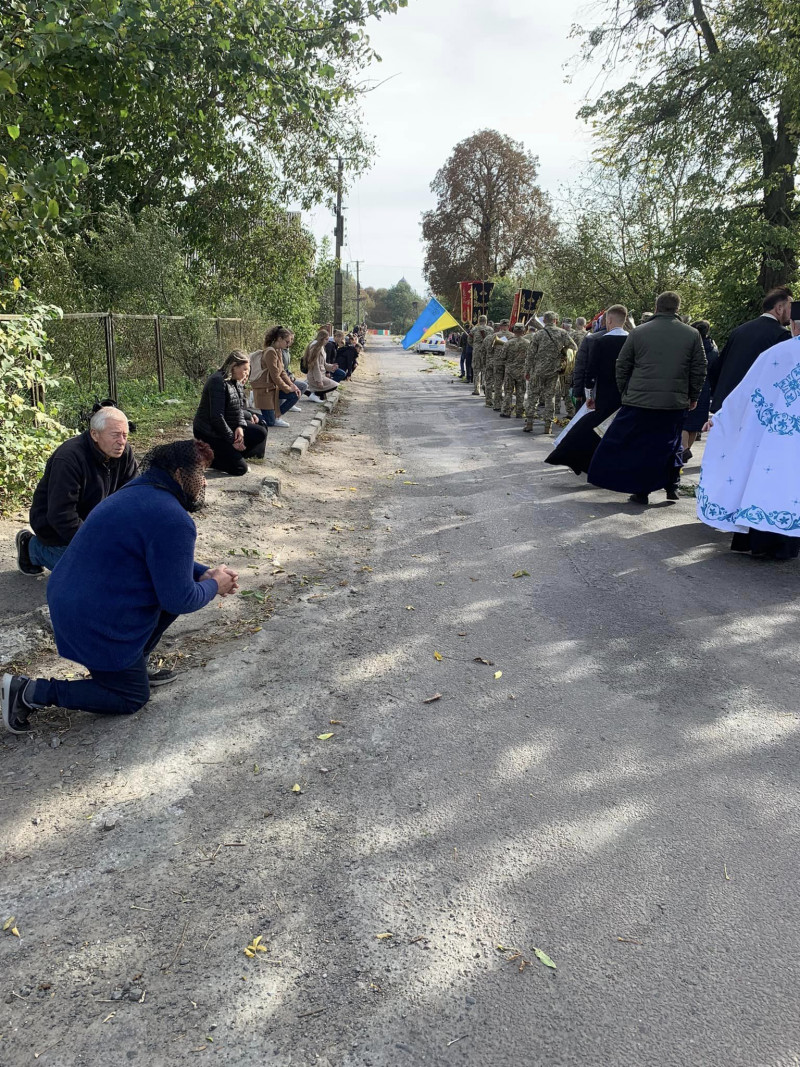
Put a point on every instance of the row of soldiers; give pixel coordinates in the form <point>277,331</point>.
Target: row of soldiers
<point>540,356</point>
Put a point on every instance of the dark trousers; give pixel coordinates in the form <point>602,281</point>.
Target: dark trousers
<point>339,375</point>
<point>288,400</point>
<point>106,692</point>
<point>226,457</point>
<point>468,363</point>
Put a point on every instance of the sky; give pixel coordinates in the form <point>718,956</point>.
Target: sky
<point>456,67</point>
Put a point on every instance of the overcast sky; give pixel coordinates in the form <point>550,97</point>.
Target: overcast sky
<point>457,66</point>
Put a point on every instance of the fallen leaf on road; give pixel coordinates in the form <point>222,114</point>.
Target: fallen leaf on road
<point>336,722</point>
<point>409,607</point>
<point>383,937</point>
<point>9,923</point>
<point>480,659</point>
<point>440,583</point>
<point>521,574</point>
<point>498,674</point>
<point>296,788</point>
<point>430,700</point>
<point>629,941</point>
<point>462,633</point>
<point>324,737</point>
<point>254,947</point>
<point>256,769</point>
<point>410,483</point>
<point>544,958</point>
<point>400,470</point>
<point>437,655</point>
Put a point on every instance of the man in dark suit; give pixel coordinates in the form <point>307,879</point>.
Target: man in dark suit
<point>748,341</point>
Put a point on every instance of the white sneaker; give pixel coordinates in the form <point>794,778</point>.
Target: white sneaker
<point>315,399</point>
<point>280,422</point>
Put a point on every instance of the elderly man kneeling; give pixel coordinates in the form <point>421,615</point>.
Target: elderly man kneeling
<point>126,576</point>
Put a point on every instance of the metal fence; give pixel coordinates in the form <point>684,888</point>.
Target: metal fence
<point>102,349</point>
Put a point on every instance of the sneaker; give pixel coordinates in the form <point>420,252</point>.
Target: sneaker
<point>15,710</point>
<point>23,540</point>
<point>158,677</point>
<point>280,422</point>
<point>315,399</point>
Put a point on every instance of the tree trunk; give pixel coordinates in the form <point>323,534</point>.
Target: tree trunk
<point>779,257</point>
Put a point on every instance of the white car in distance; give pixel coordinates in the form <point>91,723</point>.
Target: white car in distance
<point>435,343</point>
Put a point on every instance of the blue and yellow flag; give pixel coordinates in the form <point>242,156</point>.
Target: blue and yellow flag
<point>433,319</point>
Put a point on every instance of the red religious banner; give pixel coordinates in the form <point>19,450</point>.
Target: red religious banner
<point>515,307</point>
<point>466,301</point>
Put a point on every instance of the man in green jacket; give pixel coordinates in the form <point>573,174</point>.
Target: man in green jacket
<point>660,373</point>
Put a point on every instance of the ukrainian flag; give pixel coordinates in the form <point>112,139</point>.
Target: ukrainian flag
<point>432,320</point>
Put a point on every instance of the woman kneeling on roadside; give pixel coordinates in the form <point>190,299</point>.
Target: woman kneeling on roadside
<point>273,389</point>
<point>223,421</point>
<point>319,383</point>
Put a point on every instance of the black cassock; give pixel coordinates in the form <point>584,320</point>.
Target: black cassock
<point>577,447</point>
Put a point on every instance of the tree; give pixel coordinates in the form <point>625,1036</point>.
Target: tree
<point>403,305</point>
<point>718,85</point>
<point>156,98</point>
<point>490,219</point>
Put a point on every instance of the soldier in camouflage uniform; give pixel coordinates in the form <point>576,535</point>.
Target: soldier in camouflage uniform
<point>477,336</point>
<point>515,353</point>
<point>578,331</point>
<point>495,365</point>
<point>542,369</point>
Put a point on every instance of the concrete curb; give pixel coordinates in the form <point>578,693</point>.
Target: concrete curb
<point>309,434</point>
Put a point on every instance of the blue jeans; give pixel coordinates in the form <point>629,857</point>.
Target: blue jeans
<point>106,692</point>
<point>339,375</point>
<point>45,555</point>
<point>288,400</point>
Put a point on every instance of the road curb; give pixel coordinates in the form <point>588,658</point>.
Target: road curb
<point>309,434</point>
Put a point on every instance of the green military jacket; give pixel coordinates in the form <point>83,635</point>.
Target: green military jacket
<point>495,349</point>
<point>516,354</point>
<point>544,354</point>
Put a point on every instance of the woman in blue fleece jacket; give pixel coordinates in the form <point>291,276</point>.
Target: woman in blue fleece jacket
<point>127,574</point>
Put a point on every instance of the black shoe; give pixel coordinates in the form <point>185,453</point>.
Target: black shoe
<point>504,416</point>
<point>23,539</point>
<point>15,710</point>
<point>638,498</point>
<point>160,677</point>
<point>687,455</point>
<point>672,494</point>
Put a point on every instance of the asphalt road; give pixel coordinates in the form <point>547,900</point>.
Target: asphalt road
<point>616,787</point>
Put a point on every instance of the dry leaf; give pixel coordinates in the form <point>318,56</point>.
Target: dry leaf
<point>498,674</point>
<point>521,574</point>
<point>545,959</point>
<point>254,947</point>
<point>296,788</point>
<point>480,659</point>
<point>336,722</point>
<point>430,700</point>
<point>324,737</point>
<point>256,769</point>
<point>383,937</point>
<point>409,607</point>
<point>9,923</point>
<point>437,655</point>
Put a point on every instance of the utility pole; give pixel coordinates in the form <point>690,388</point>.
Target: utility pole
<point>358,263</point>
<point>339,236</point>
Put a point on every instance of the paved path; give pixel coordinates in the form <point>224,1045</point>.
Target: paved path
<point>624,797</point>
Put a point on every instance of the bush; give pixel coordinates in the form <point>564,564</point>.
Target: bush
<point>29,432</point>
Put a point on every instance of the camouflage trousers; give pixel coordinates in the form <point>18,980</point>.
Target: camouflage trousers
<point>514,389</point>
<point>542,394</point>
<point>565,393</point>
<point>478,373</point>
<point>494,385</point>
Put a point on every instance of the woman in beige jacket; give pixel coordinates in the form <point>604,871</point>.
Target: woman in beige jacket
<point>318,369</point>
<point>273,389</point>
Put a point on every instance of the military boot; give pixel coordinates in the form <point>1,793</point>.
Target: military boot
<point>528,427</point>
<point>547,428</point>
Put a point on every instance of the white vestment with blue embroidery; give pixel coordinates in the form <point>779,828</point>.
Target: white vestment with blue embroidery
<point>750,477</point>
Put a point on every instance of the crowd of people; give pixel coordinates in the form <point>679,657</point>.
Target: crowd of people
<point>119,540</point>
<point>636,398</point>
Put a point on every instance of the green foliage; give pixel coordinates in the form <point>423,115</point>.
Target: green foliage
<point>501,300</point>
<point>29,433</point>
<point>716,95</point>
<point>155,97</point>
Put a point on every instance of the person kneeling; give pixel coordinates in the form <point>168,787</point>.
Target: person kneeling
<point>223,421</point>
<point>128,573</point>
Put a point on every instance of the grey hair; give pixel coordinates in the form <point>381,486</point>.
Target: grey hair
<point>100,418</point>
<point>580,322</point>
<point>550,317</point>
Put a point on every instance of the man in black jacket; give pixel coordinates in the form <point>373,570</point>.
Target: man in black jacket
<point>748,341</point>
<point>79,474</point>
